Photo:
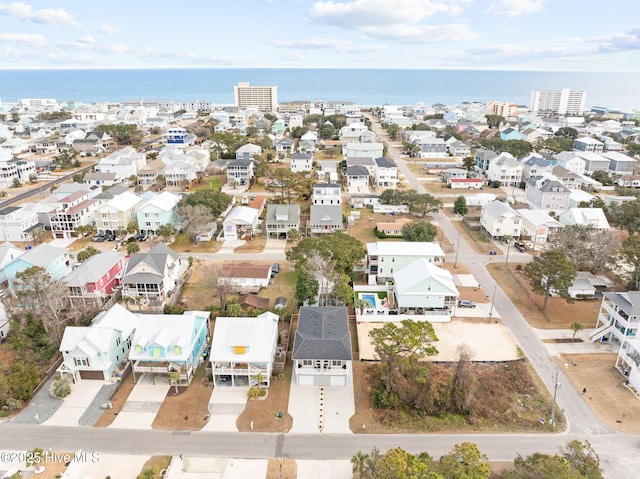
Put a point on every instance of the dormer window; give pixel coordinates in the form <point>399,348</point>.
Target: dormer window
<point>177,350</point>
<point>139,349</point>
<point>239,349</point>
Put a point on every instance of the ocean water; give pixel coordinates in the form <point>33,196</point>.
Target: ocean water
<point>360,86</point>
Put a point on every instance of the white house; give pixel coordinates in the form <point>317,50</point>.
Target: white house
<point>593,217</point>
<point>363,150</point>
<point>537,226</point>
<point>243,350</point>
<point>386,173</point>
<point>18,224</point>
<point>326,194</point>
<point>357,178</point>
<point>240,223</point>
<point>498,219</point>
<point>421,287</point>
<point>301,162</point>
<point>96,351</point>
<point>505,169</point>
<point>547,194</point>
<point>244,277</point>
<point>628,361</point>
<point>126,162</point>
<point>248,151</point>
<point>618,318</point>
<point>383,258</point>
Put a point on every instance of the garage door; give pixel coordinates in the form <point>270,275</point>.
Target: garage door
<point>338,381</point>
<point>305,380</point>
<point>91,375</point>
<point>322,381</point>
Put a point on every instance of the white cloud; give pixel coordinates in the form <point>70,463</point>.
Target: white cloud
<point>87,39</point>
<point>422,33</point>
<point>400,20</point>
<point>49,16</point>
<point>292,57</point>
<point>328,44</point>
<point>110,30</point>
<point>358,13</point>
<point>33,40</point>
<point>153,55</point>
<point>515,8</point>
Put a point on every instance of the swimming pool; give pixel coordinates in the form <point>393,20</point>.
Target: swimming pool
<point>369,298</point>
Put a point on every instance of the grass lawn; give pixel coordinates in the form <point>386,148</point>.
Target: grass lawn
<point>213,182</point>
<point>156,464</point>
<point>476,239</point>
<point>559,314</point>
<point>182,244</point>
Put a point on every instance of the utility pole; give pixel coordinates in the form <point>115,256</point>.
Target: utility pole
<point>556,385</point>
<point>493,297</point>
<point>455,264</point>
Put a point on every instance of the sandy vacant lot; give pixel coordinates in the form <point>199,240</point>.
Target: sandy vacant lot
<point>489,341</point>
<point>606,393</point>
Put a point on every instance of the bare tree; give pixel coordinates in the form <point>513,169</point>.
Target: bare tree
<point>194,217</point>
<point>324,272</point>
<point>46,299</point>
<point>221,286</point>
<point>589,249</point>
<point>464,381</point>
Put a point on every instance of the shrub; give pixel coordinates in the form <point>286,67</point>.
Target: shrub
<point>255,392</point>
<point>60,388</point>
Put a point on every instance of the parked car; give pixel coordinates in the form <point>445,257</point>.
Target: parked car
<point>275,268</point>
<point>520,247</point>
<point>141,238</point>
<point>465,303</point>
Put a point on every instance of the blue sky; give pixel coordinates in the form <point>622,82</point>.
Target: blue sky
<point>559,35</point>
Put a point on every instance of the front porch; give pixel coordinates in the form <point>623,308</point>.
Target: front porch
<point>241,374</point>
<point>163,368</point>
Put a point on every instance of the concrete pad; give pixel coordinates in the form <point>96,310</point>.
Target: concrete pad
<point>143,403</point>
<point>339,406</point>
<point>106,465</point>
<point>244,468</point>
<point>304,408</point>
<point>465,280</point>
<point>308,469</point>
<point>225,405</point>
<point>488,341</point>
<point>585,347</point>
<point>74,405</point>
<point>481,310</point>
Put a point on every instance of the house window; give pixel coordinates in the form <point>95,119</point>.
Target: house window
<point>138,349</point>
<point>81,361</point>
<point>336,363</point>
<point>239,349</point>
<point>177,350</point>
<point>307,362</point>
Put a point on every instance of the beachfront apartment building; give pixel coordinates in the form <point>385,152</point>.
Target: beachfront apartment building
<point>263,98</point>
<point>559,102</point>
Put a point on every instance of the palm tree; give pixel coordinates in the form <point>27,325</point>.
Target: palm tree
<point>575,327</point>
<point>360,304</point>
<point>360,463</point>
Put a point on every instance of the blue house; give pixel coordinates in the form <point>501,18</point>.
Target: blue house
<point>157,210</point>
<point>169,343</point>
<point>510,134</point>
<point>54,260</point>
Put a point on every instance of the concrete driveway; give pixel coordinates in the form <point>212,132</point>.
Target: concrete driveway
<point>75,404</point>
<point>274,246</point>
<point>215,468</point>
<point>225,405</point>
<point>142,404</point>
<point>323,469</point>
<point>105,465</point>
<point>309,416</point>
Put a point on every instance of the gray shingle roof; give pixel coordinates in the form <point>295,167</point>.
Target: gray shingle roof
<point>323,333</point>
<point>384,162</point>
<point>357,170</point>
